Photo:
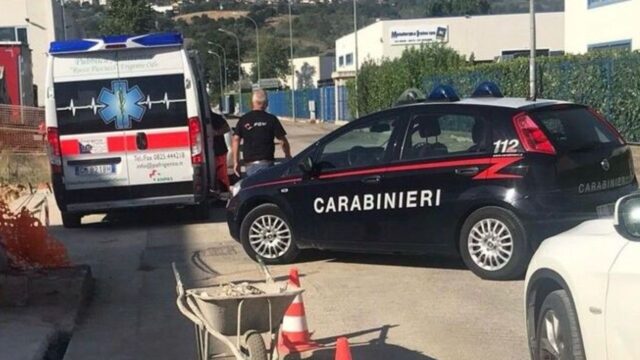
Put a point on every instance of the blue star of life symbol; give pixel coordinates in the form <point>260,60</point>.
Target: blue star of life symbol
<point>121,104</point>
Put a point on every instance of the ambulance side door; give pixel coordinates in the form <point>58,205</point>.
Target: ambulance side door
<point>336,206</point>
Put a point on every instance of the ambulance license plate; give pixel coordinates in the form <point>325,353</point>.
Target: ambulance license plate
<point>95,170</point>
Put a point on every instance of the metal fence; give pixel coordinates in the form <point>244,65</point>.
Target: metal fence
<point>320,104</point>
<point>21,129</point>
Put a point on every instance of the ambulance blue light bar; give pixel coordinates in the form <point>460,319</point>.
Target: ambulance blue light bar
<point>116,42</point>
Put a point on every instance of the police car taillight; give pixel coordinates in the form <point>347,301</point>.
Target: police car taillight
<point>55,156</point>
<point>532,138</point>
<point>195,139</point>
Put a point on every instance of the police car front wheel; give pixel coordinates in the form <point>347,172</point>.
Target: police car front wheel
<point>265,232</point>
<point>493,244</point>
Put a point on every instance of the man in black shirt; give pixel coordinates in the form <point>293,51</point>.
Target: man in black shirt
<point>257,129</point>
<point>220,127</point>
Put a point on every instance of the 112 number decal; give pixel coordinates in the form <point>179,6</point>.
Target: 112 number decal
<point>506,146</point>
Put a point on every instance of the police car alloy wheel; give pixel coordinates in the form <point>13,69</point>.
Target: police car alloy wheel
<point>493,244</point>
<point>490,244</point>
<point>265,232</point>
<point>557,331</point>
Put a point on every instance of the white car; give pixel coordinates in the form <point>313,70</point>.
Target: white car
<point>582,293</point>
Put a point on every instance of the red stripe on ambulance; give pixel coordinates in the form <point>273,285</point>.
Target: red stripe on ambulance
<point>155,141</point>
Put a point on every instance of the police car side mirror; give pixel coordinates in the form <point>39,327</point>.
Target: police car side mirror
<point>306,166</point>
<point>627,216</point>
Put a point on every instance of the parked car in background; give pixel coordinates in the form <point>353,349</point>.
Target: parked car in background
<point>582,289</point>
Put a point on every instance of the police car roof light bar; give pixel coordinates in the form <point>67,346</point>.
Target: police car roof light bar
<point>116,42</point>
<point>487,89</point>
<point>443,93</point>
<point>410,96</point>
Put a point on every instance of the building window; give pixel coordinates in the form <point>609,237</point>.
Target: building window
<point>349,59</point>
<point>613,45</point>
<point>11,33</point>
<point>597,3</point>
<point>341,61</point>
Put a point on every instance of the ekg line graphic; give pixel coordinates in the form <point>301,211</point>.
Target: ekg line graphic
<point>95,107</point>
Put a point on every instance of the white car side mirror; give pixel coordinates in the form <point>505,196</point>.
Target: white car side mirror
<point>627,216</point>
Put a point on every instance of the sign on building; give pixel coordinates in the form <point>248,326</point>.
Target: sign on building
<point>408,35</point>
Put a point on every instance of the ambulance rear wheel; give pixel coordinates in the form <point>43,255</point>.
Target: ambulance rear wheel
<point>71,220</point>
<point>267,234</point>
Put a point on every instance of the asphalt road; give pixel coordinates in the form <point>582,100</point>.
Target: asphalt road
<point>390,307</point>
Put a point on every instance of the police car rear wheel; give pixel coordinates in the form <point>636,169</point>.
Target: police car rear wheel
<point>493,244</point>
<point>266,233</point>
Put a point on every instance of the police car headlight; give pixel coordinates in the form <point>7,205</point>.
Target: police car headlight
<point>235,188</point>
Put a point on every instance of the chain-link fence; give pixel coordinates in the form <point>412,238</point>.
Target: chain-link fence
<point>22,145</point>
<point>21,129</point>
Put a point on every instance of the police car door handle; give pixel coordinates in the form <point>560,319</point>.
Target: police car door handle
<point>468,171</point>
<point>372,179</point>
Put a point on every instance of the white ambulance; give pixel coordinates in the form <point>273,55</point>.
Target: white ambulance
<point>126,125</point>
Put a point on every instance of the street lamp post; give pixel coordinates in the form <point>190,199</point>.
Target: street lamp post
<point>239,66</point>
<point>532,55</point>
<point>64,21</point>
<point>224,58</point>
<point>257,45</point>
<point>220,71</point>
<point>355,35</point>
<point>293,69</point>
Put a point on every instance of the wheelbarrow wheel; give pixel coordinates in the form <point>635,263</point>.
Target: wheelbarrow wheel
<point>254,347</point>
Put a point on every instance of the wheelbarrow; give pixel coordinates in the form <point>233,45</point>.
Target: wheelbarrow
<point>223,313</point>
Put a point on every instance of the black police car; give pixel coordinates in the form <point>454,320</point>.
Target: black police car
<point>485,177</point>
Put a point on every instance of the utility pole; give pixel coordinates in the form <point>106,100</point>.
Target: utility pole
<point>293,69</point>
<point>355,35</point>
<point>532,56</point>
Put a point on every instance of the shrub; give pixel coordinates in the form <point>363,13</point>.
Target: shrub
<point>607,81</point>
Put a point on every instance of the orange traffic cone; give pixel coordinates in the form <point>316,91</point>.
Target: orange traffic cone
<point>294,334</point>
<point>342,349</point>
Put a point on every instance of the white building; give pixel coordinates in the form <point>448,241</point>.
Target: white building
<point>486,37</point>
<point>36,23</point>
<point>310,71</point>
<point>601,24</point>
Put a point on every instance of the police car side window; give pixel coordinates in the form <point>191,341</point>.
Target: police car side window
<point>432,135</point>
<point>364,145</point>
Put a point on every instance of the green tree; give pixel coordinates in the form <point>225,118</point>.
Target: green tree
<point>274,59</point>
<point>129,17</point>
<point>457,7</point>
<point>380,84</point>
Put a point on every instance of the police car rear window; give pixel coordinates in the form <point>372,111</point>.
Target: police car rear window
<point>575,129</point>
<point>145,102</point>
